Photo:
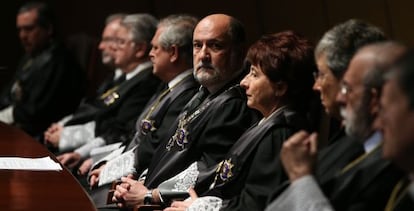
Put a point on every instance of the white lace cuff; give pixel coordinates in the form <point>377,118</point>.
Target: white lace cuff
<point>182,181</point>
<point>118,167</point>
<point>85,149</point>
<point>76,135</point>
<point>206,203</point>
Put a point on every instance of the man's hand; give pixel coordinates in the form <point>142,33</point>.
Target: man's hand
<point>94,176</point>
<point>298,154</point>
<point>70,159</point>
<point>52,134</point>
<point>183,205</point>
<point>85,166</point>
<point>129,193</point>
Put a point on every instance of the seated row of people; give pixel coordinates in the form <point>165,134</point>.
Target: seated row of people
<point>247,176</point>
<point>370,182</point>
<point>216,143</point>
<point>206,118</point>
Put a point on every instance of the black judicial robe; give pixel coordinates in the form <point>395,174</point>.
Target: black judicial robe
<point>163,116</point>
<point>252,168</point>
<point>365,186</point>
<point>88,108</point>
<point>333,158</point>
<point>403,200</point>
<point>406,204</point>
<point>330,160</point>
<point>115,120</point>
<point>51,85</point>
<point>210,135</point>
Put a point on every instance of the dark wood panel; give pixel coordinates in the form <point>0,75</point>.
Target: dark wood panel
<point>36,190</point>
<point>310,17</point>
<point>372,11</point>
<point>245,11</point>
<point>401,16</point>
<point>306,17</point>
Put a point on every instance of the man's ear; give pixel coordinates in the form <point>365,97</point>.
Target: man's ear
<point>173,53</point>
<point>141,50</point>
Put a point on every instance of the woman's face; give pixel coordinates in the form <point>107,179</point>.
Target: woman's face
<point>328,86</point>
<point>260,91</point>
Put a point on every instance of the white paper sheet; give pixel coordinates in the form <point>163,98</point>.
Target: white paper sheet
<point>35,164</point>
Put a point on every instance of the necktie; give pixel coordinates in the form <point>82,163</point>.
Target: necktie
<point>197,100</point>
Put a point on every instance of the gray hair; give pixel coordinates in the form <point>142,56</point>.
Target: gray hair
<point>340,43</point>
<point>114,16</point>
<point>178,30</point>
<point>380,57</point>
<point>142,28</point>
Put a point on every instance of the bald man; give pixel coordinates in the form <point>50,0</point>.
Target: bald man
<point>211,122</point>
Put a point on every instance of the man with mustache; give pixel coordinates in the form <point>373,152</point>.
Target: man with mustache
<point>89,106</point>
<point>48,83</point>
<point>171,55</point>
<point>211,122</point>
<point>366,182</point>
<point>396,123</point>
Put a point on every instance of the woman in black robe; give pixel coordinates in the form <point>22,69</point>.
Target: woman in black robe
<point>279,86</point>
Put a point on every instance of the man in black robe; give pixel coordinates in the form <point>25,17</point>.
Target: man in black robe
<point>212,121</point>
<point>366,182</point>
<point>48,83</point>
<point>172,59</point>
<point>119,106</point>
<point>396,122</point>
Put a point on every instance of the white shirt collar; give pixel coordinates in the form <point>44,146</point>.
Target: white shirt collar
<point>138,69</point>
<point>117,73</point>
<point>272,114</point>
<point>179,78</point>
<point>373,141</point>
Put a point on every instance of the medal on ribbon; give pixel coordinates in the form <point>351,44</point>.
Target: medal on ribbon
<point>223,171</point>
<point>111,98</point>
<point>181,137</point>
<point>147,126</point>
<point>226,170</point>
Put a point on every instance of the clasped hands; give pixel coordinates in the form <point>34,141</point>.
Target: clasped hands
<point>129,193</point>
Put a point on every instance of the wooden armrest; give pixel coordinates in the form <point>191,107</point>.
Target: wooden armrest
<point>112,191</point>
<point>148,207</point>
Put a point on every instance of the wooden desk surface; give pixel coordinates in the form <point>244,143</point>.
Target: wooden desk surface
<point>36,190</point>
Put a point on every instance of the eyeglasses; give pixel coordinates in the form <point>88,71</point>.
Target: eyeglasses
<point>120,42</point>
<point>109,40</point>
<point>345,89</point>
<point>318,75</point>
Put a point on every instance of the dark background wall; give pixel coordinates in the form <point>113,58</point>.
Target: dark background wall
<point>310,17</point>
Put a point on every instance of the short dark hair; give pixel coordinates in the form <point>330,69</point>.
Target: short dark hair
<point>46,18</point>
<point>404,73</point>
<point>286,56</point>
